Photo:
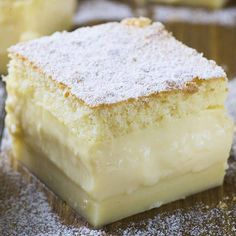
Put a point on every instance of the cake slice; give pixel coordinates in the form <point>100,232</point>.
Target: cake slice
<point>118,118</point>
<point>23,19</point>
<point>204,3</point>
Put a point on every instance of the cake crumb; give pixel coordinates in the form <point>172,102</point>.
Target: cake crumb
<point>222,205</point>
<point>137,22</point>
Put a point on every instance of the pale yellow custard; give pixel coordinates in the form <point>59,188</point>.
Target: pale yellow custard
<point>21,20</point>
<point>111,129</point>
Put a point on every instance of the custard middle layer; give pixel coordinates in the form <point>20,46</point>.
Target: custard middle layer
<point>122,165</point>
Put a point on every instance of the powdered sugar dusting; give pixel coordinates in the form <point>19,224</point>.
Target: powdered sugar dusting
<point>197,220</point>
<point>113,62</point>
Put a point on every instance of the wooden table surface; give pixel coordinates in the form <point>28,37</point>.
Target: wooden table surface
<point>212,212</point>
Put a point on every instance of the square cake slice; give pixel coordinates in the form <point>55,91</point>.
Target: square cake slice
<point>118,118</point>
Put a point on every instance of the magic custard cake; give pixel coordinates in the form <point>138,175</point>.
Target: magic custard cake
<point>203,3</point>
<point>118,118</point>
<point>21,20</point>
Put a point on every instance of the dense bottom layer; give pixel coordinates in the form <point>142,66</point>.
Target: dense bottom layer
<point>99,213</point>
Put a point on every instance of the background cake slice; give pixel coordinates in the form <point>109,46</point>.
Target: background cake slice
<point>204,3</point>
<point>118,118</point>
<point>21,20</point>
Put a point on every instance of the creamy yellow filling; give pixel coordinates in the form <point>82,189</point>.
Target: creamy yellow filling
<point>124,164</point>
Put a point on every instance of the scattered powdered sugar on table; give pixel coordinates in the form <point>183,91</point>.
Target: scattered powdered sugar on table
<point>225,17</point>
<point>24,209</point>
<point>197,220</point>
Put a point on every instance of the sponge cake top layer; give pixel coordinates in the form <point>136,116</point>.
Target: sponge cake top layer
<point>115,62</point>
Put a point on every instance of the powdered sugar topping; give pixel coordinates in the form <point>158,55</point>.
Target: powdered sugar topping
<point>114,62</point>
